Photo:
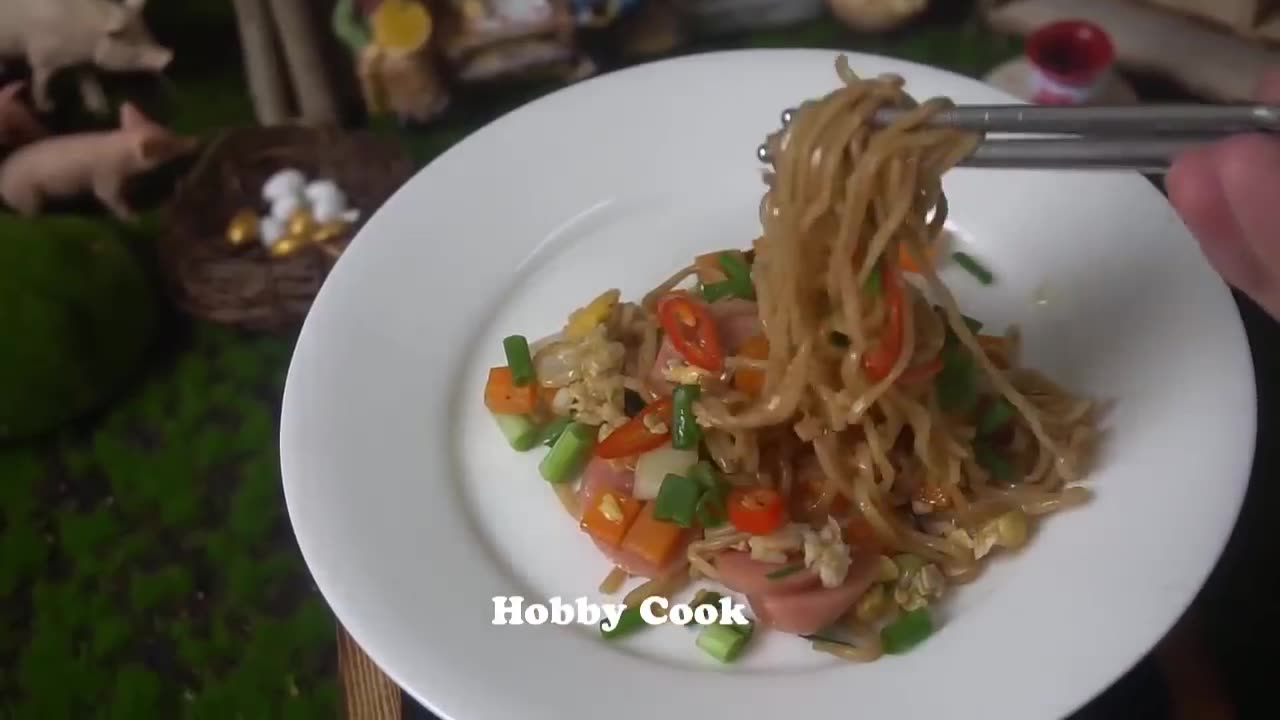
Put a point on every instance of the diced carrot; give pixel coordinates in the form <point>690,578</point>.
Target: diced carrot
<point>908,261</point>
<point>750,380</point>
<point>652,539</point>
<point>503,396</point>
<point>597,522</point>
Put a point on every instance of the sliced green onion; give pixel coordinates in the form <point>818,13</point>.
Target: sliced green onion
<point>551,433</point>
<point>739,275</point>
<point>721,642</point>
<point>975,268</point>
<point>711,511</point>
<point>519,360</point>
<point>989,459</point>
<point>519,430</point>
<point>630,621</point>
<point>705,474</point>
<point>677,500</point>
<point>717,291</point>
<point>906,632</point>
<point>996,415</point>
<point>784,571</point>
<point>632,403</point>
<point>569,454</point>
<point>685,433</point>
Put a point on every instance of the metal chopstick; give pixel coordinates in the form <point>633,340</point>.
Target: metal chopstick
<point>1145,155</point>
<point>1132,120</point>
<point>1145,138</point>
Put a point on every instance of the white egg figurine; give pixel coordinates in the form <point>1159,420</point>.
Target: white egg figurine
<point>285,182</point>
<point>270,229</point>
<point>284,206</point>
<point>328,202</point>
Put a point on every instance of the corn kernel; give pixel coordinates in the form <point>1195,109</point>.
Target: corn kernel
<point>586,318</point>
<point>872,605</point>
<point>1011,529</point>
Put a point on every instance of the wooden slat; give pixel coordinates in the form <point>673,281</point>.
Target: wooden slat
<point>368,694</point>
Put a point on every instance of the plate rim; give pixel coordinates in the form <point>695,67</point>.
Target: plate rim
<point>311,551</point>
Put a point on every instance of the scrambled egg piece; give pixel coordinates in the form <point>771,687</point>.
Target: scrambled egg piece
<point>825,552</point>
<point>775,546</point>
<point>917,587</point>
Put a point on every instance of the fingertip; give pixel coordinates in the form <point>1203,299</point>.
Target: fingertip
<point>1195,190</point>
<point>1268,87</point>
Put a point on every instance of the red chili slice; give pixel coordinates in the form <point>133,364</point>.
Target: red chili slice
<point>692,331</point>
<point>635,437</point>
<point>757,511</point>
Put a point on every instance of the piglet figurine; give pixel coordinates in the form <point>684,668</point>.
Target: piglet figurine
<point>17,124</point>
<point>100,162</point>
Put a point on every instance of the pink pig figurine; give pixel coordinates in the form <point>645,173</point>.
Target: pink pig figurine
<point>17,124</point>
<point>100,162</point>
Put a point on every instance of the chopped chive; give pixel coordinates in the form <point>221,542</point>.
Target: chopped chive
<point>632,403</point>
<point>551,433</point>
<point>711,510</point>
<point>957,382</point>
<point>705,597</point>
<point>677,500</point>
<point>519,430</point>
<point>996,415</point>
<point>519,359</point>
<point>717,291</point>
<point>906,632</point>
<point>989,459</point>
<point>721,642</point>
<point>685,433</point>
<point>823,638</point>
<point>975,268</point>
<point>784,571</point>
<point>630,621</point>
<point>569,454</point>
<point>874,282</point>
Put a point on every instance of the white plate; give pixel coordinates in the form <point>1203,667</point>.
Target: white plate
<point>412,512</point>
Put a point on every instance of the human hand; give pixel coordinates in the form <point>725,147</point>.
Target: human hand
<point>1228,194</point>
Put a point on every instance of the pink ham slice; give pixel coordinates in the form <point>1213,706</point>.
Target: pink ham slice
<point>740,573</point>
<point>736,321</point>
<point>808,611</point>
<point>599,477</point>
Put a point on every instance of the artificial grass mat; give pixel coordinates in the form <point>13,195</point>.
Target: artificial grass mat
<point>147,569</point>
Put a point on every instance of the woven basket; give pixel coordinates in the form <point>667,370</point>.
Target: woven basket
<point>245,287</point>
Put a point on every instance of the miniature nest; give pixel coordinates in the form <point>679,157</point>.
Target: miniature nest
<point>245,286</point>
